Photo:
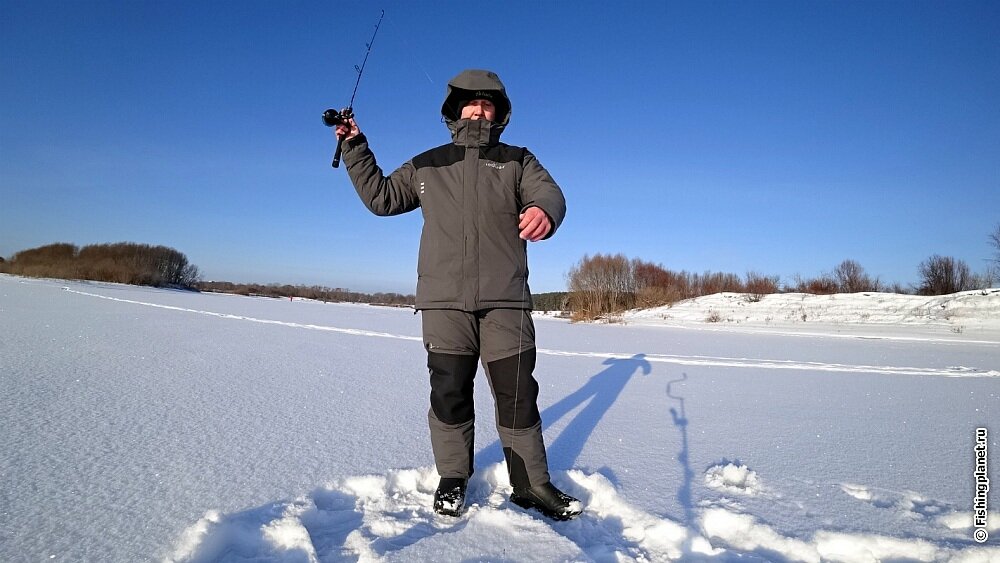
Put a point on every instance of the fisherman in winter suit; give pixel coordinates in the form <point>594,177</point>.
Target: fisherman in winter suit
<point>482,201</point>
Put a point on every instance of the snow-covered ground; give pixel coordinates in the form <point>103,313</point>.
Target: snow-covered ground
<point>154,425</point>
<point>969,313</point>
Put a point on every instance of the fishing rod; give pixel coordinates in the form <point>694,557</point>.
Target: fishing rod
<point>332,117</point>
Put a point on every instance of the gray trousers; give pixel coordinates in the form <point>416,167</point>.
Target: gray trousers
<point>505,341</point>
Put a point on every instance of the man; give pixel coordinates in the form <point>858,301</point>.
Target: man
<point>482,200</point>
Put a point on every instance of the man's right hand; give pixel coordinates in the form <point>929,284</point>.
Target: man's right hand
<point>347,131</point>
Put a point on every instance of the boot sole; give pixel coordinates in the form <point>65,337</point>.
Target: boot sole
<point>452,513</point>
<point>530,504</point>
<point>449,511</point>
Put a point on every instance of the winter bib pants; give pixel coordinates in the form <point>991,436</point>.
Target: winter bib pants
<point>505,341</point>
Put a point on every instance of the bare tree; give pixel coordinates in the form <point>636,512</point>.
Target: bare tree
<point>995,243</point>
<point>823,285</point>
<point>943,275</point>
<point>852,278</point>
<point>758,285</point>
<point>656,285</point>
<point>601,284</point>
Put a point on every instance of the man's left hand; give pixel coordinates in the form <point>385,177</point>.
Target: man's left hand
<point>534,224</point>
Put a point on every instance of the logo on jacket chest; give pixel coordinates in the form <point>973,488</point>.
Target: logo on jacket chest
<point>496,165</point>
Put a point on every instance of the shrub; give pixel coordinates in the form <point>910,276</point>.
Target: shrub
<point>852,278</point>
<point>899,288</point>
<point>716,282</point>
<point>657,296</point>
<point>943,275</point>
<point>823,285</point>
<point>759,285</point>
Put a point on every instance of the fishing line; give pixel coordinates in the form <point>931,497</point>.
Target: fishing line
<point>410,49</point>
<point>517,377</point>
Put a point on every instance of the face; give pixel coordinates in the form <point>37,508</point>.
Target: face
<point>479,109</point>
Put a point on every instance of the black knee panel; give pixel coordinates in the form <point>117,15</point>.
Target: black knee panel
<point>452,377</point>
<point>516,469</point>
<point>516,390</point>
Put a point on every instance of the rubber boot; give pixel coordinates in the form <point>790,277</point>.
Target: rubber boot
<point>449,499</point>
<point>548,500</point>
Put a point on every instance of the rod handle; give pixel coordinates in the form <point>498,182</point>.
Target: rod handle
<point>336,155</point>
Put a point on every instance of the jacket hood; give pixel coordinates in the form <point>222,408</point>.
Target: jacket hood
<point>473,84</point>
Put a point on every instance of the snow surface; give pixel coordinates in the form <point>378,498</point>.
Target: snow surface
<point>849,315</point>
<point>153,425</point>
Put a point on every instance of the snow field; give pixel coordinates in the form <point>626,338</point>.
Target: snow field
<point>152,425</point>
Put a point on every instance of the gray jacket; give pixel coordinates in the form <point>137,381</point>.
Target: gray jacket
<point>471,192</point>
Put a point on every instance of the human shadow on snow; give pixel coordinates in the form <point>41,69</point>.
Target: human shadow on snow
<point>599,393</point>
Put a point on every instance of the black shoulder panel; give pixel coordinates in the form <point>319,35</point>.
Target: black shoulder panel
<point>439,157</point>
<point>502,153</point>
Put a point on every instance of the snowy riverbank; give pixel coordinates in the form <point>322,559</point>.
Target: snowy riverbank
<point>965,315</point>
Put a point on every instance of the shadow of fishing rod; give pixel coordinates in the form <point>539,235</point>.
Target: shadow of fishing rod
<point>681,422</point>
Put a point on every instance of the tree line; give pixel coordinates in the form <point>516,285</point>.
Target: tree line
<point>605,284</point>
<point>161,266</point>
<point>598,285</point>
<point>123,262</point>
<point>318,293</point>
<point>602,284</point>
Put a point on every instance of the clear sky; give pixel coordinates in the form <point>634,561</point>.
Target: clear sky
<point>779,137</point>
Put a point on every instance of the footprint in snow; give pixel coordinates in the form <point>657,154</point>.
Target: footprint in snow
<point>909,504</point>
<point>734,478</point>
<point>389,518</point>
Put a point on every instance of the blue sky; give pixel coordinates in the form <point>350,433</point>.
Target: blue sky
<point>779,137</point>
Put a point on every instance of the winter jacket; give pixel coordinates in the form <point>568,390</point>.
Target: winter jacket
<point>471,193</point>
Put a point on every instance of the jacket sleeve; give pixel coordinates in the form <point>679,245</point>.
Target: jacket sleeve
<point>538,189</point>
<point>382,195</point>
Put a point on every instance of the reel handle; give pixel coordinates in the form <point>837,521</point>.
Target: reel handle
<point>333,118</point>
